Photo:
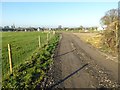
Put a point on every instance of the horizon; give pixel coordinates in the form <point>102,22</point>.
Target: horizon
<point>52,14</point>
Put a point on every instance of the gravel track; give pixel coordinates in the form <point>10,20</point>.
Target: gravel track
<point>71,54</point>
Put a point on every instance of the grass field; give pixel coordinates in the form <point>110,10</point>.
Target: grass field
<point>30,63</point>
<point>23,44</point>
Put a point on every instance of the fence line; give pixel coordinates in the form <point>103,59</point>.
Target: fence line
<point>48,37</point>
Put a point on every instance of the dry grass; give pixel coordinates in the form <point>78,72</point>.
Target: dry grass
<point>95,40</point>
<point>92,38</point>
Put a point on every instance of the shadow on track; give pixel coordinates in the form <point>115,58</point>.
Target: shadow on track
<point>62,80</point>
<point>64,53</point>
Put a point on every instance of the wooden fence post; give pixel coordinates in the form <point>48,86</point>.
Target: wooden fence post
<point>47,37</point>
<point>10,58</point>
<point>50,35</point>
<point>39,40</point>
<point>53,32</point>
<point>117,38</point>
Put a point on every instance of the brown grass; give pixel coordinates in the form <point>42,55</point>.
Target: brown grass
<point>92,38</point>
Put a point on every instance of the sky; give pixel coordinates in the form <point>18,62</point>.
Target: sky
<point>52,14</point>
<point>59,0</point>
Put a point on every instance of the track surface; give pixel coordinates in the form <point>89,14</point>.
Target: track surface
<point>72,53</point>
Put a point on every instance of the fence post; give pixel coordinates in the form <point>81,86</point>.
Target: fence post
<point>50,34</point>
<point>47,37</point>
<point>10,58</point>
<point>53,32</point>
<point>117,39</point>
<point>39,40</point>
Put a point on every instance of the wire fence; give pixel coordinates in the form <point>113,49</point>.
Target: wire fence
<point>22,45</point>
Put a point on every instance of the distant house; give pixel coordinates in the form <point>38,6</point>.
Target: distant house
<point>50,29</point>
<point>66,29</point>
<point>38,29</point>
<point>86,30</point>
<point>101,28</point>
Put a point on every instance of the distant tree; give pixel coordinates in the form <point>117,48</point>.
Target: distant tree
<point>6,27</point>
<point>13,26</point>
<point>59,27</point>
<point>81,27</point>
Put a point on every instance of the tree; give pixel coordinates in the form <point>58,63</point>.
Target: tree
<point>60,27</point>
<point>110,17</point>
<point>110,35</point>
<point>81,27</point>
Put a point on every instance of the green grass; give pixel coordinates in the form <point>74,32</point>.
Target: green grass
<point>23,44</point>
<point>32,72</point>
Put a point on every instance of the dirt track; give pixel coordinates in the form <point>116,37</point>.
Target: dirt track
<point>71,54</point>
